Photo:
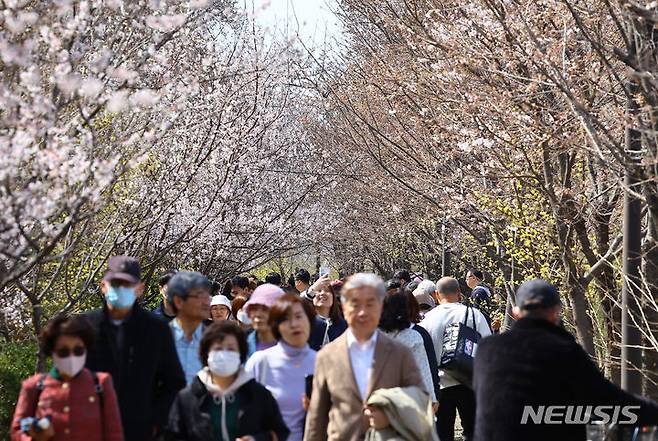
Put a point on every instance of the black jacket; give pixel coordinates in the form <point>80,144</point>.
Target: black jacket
<point>189,419</point>
<point>539,364</point>
<point>431,357</point>
<point>319,326</point>
<point>146,371</point>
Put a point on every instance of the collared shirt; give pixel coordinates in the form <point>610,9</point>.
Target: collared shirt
<point>361,356</point>
<point>188,350</point>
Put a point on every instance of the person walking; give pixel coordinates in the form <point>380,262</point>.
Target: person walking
<point>240,287</point>
<point>284,367</point>
<point>80,404</point>
<point>303,283</point>
<point>164,309</point>
<point>220,308</point>
<point>354,365</point>
<point>329,323</point>
<point>136,347</point>
<point>539,363</point>
<point>424,296</point>
<point>396,324</point>
<point>455,396</point>
<point>189,295</point>
<point>483,298</point>
<point>223,402</point>
<point>481,294</point>
<point>415,317</point>
<point>258,311</point>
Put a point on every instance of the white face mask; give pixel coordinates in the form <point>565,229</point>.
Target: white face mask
<point>243,317</point>
<point>70,365</point>
<point>223,363</point>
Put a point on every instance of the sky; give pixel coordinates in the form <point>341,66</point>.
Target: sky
<point>312,19</point>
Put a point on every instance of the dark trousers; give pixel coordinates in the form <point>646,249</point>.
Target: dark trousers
<point>456,398</point>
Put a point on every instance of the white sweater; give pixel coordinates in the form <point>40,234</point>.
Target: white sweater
<point>414,341</point>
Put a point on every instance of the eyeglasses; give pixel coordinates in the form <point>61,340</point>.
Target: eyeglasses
<point>66,352</point>
<point>199,296</point>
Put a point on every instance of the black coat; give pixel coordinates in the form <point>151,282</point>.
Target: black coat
<point>431,357</point>
<point>259,414</point>
<point>539,364</point>
<point>146,372</point>
<point>318,328</point>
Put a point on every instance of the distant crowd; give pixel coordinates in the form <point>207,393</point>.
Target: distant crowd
<point>315,359</point>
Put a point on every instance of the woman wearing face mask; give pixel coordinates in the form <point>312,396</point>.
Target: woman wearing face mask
<point>69,402</point>
<point>239,313</point>
<point>224,403</point>
<point>283,368</point>
<point>258,310</point>
<point>329,322</point>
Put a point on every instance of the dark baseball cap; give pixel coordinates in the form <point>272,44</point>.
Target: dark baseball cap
<point>124,268</point>
<point>537,294</point>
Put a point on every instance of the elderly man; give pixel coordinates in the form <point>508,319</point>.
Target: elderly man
<point>137,348</point>
<point>538,365</point>
<point>455,396</point>
<point>354,365</point>
<point>189,295</point>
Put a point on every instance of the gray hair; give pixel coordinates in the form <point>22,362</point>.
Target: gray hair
<point>447,286</point>
<point>363,280</point>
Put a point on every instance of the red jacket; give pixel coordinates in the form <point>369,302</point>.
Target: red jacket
<point>74,408</point>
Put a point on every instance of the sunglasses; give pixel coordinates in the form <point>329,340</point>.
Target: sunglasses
<point>66,352</point>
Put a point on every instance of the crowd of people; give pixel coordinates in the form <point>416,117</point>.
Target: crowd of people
<point>314,359</point>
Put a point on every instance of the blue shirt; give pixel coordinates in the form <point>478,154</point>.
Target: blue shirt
<point>188,350</point>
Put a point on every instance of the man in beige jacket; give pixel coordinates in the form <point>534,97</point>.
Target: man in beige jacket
<point>356,364</point>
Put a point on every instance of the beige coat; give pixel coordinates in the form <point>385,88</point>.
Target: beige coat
<point>409,413</point>
<point>336,409</point>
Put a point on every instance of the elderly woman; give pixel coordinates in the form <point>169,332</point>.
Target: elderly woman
<point>395,322</point>
<point>69,402</point>
<point>220,308</point>
<point>329,323</point>
<point>224,403</point>
<point>423,294</point>
<point>283,368</point>
<point>258,311</point>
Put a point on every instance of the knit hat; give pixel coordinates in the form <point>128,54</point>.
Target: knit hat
<point>265,295</point>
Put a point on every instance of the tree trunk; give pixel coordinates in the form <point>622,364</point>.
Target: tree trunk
<point>650,261</point>
<point>37,314</point>
<point>582,320</point>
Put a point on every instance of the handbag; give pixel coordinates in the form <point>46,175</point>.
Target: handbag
<point>459,347</point>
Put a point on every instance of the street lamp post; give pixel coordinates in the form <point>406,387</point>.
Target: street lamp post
<point>631,337</point>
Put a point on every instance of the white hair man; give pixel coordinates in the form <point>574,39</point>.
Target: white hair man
<point>354,365</point>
